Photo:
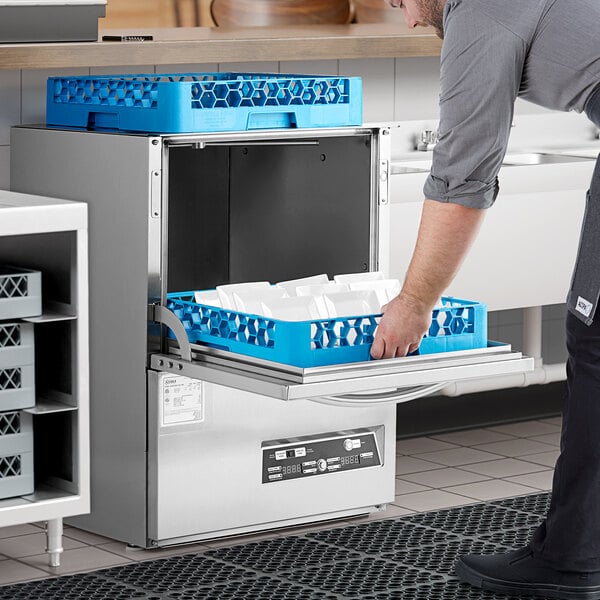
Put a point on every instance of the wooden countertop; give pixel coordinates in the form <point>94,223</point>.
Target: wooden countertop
<point>221,45</point>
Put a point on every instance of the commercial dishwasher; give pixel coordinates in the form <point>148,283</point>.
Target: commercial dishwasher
<point>191,443</point>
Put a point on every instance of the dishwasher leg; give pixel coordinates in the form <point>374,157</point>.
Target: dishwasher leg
<point>54,531</point>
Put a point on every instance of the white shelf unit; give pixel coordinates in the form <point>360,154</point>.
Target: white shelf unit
<point>50,235</point>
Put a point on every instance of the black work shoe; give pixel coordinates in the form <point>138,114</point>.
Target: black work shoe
<point>519,572</point>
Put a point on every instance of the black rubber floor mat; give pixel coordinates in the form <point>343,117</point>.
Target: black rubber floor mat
<point>537,504</point>
<point>283,554</point>
<point>262,588</point>
<point>189,571</point>
<point>407,558</point>
<point>86,587</point>
<point>447,590</point>
<point>476,519</point>
<point>441,558</point>
<point>383,536</point>
<point>357,578</point>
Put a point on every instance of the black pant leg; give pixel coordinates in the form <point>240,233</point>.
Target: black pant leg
<point>569,538</point>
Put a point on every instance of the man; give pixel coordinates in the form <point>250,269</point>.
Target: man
<point>546,51</point>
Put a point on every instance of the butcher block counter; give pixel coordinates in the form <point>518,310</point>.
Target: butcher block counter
<point>221,45</point>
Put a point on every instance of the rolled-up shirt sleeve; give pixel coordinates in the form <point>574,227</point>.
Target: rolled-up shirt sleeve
<point>481,71</point>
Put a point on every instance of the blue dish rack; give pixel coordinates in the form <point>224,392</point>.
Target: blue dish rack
<point>458,325</point>
<point>203,102</point>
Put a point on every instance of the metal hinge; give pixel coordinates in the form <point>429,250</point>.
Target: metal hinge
<point>384,174</point>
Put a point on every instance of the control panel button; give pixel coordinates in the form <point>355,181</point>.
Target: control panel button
<point>300,452</point>
<point>322,465</point>
<point>334,467</point>
<point>309,470</point>
<point>280,454</point>
<point>274,469</point>
<point>275,477</point>
<point>309,463</point>
<point>333,460</point>
<point>351,444</point>
<point>366,455</point>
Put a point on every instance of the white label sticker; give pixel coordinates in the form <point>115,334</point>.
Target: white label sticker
<point>584,307</point>
<point>181,400</point>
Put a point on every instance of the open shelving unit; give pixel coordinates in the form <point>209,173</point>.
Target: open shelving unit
<point>50,235</point>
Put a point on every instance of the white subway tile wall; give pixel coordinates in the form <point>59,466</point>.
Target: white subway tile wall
<point>378,86</point>
<point>195,68</point>
<point>10,103</point>
<point>417,88</point>
<point>310,67</point>
<point>33,92</point>
<point>4,167</point>
<point>255,67</point>
<point>123,70</point>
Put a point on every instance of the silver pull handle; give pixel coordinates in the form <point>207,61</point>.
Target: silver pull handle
<point>161,314</point>
<point>395,396</point>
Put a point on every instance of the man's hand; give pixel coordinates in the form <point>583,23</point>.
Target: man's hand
<point>404,323</point>
<point>445,235</point>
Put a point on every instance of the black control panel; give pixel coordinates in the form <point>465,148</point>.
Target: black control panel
<point>319,455</point>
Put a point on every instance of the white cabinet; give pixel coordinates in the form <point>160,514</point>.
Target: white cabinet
<point>50,236</point>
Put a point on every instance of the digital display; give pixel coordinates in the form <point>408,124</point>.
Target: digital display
<point>351,459</point>
<point>289,459</point>
<point>292,469</point>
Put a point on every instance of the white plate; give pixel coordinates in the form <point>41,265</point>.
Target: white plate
<point>208,297</point>
<point>291,309</point>
<point>317,291</point>
<point>226,291</point>
<point>291,285</point>
<point>354,277</point>
<point>351,304</point>
<point>385,289</point>
<point>250,301</point>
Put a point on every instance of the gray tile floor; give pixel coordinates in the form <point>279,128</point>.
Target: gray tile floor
<point>434,472</point>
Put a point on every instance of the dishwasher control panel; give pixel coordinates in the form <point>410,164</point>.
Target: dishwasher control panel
<point>322,454</point>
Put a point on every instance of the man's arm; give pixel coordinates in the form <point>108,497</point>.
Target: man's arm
<point>445,235</point>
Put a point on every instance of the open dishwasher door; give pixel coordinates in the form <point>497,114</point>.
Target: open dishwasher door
<point>355,384</point>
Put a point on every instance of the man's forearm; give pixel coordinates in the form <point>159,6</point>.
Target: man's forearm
<point>445,235</point>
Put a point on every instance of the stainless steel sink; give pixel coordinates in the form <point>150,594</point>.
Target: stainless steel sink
<point>404,169</point>
<point>512,159</point>
<point>411,166</point>
<point>538,158</point>
<point>583,152</point>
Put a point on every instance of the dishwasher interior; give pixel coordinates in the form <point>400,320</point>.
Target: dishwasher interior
<point>188,444</point>
<point>267,210</point>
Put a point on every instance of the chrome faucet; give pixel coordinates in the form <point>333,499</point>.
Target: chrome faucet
<point>428,140</point>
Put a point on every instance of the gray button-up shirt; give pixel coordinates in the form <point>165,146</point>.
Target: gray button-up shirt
<point>546,51</point>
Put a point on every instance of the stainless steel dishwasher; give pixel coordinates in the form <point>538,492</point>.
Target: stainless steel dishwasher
<point>189,444</point>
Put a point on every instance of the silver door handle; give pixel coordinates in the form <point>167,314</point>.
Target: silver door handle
<point>161,314</point>
<point>395,396</point>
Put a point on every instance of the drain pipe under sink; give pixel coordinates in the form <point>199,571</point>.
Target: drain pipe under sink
<point>532,346</point>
